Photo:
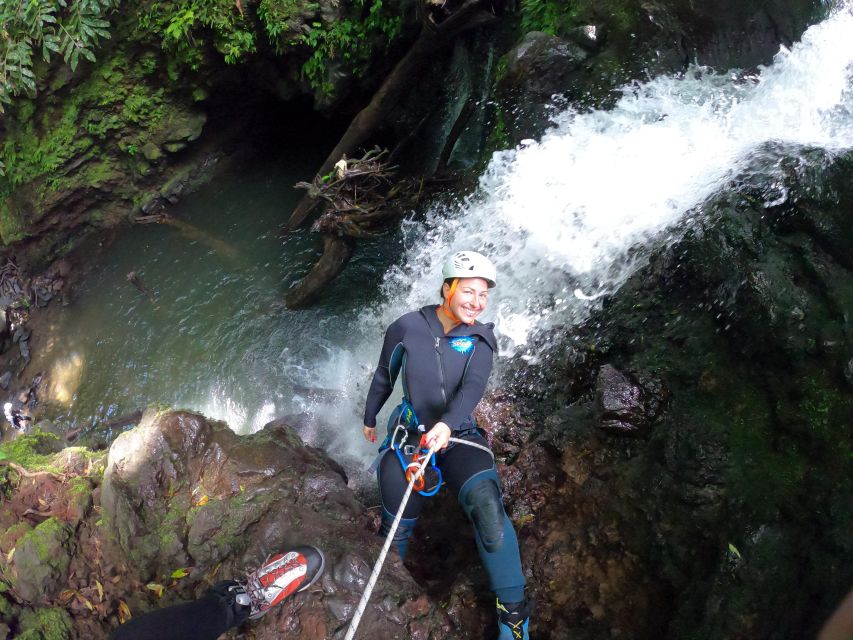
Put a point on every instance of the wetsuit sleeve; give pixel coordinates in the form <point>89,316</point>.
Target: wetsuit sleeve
<point>472,388</point>
<point>382,384</point>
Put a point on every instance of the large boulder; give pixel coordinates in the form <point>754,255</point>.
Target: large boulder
<point>699,528</point>
<point>180,491</point>
<point>543,74</point>
<point>38,567</point>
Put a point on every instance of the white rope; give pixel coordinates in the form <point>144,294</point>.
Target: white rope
<point>378,566</point>
<point>473,444</point>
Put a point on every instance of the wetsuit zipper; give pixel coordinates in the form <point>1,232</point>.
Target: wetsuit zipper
<point>440,369</point>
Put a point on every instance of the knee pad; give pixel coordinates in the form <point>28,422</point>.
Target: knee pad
<point>401,535</point>
<point>480,497</point>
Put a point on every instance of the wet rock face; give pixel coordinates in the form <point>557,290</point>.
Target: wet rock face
<point>181,491</point>
<point>739,390</point>
<point>627,406</point>
<point>541,78</point>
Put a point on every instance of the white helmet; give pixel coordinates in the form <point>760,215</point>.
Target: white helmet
<point>470,264</point>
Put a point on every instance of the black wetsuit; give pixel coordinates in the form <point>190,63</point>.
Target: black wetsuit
<point>444,376</point>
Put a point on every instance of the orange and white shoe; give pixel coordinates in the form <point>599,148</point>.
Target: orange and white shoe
<point>281,576</point>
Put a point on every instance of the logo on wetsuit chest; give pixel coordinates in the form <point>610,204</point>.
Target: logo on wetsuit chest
<point>462,345</point>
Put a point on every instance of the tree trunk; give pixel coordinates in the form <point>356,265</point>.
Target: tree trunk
<point>336,253</point>
<point>431,39</point>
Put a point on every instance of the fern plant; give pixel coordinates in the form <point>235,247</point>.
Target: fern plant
<point>31,28</point>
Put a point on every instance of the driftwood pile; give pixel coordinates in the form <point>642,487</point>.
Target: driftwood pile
<point>360,199</point>
<point>356,196</point>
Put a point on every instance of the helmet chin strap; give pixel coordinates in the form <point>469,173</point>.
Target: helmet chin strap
<point>446,306</point>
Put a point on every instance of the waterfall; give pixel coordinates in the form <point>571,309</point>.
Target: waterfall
<point>568,218</point>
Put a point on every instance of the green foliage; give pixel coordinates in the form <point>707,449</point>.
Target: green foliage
<point>281,20</point>
<point>33,28</point>
<point>557,17</point>
<point>551,16</point>
<point>185,29</point>
<point>182,28</point>
<point>350,41</point>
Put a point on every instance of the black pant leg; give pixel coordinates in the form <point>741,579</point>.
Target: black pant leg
<point>459,462</point>
<point>204,619</point>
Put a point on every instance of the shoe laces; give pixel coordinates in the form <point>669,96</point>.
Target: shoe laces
<point>255,591</point>
<point>514,619</point>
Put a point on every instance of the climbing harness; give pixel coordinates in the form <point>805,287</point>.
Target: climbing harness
<point>410,455</point>
<point>422,457</point>
<point>380,561</point>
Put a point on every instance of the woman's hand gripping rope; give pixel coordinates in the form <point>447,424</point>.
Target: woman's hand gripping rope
<point>389,538</point>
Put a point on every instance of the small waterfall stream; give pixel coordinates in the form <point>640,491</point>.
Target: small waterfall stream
<point>567,219</point>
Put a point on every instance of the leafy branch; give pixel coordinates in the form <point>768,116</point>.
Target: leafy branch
<point>71,28</point>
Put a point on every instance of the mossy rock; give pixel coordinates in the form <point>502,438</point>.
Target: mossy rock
<point>34,451</point>
<point>41,560</point>
<point>45,624</point>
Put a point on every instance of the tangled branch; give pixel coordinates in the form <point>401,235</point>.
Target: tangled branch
<point>355,195</point>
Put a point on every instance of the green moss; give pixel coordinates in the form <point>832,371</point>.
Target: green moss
<point>144,105</point>
<point>45,624</point>
<point>34,451</point>
<point>12,224</point>
<point>499,134</point>
<point>79,486</point>
<point>557,18</point>
<point>6,608</point>
<point>39,538</point>
<point>56,144</point>
<point>148,64</point>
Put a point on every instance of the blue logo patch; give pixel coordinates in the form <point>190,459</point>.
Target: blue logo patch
<point>462,345</point>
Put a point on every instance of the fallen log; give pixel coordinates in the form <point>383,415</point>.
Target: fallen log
<point>336,253</point>
<point>134,279</point>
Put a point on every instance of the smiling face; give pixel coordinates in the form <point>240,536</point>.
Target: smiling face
<point>469,300</point>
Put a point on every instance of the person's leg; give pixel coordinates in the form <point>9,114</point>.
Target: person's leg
<point>204,619</point>
<point>392,486</point>
<point>471,473</point>
<point>230,603</point>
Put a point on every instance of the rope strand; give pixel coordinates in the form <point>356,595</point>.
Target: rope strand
<point>356,619</point>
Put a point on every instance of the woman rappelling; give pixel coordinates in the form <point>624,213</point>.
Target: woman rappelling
<point>445,357</point>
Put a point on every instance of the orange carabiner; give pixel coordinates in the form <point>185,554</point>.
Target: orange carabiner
<point>411,470</point>
<point>414,465</point>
